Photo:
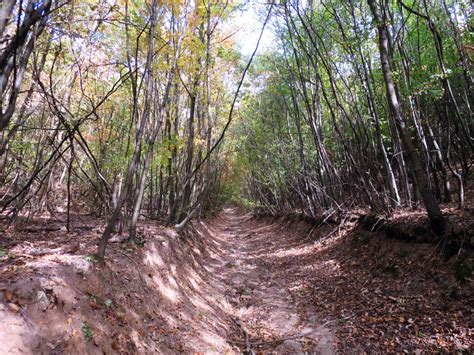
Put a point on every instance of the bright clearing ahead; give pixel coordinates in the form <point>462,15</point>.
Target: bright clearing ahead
<point>249,22</point>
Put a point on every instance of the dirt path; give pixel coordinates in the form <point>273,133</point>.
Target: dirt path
<point>230,284</point>
<point>223,286</point>
<point>262,305</point>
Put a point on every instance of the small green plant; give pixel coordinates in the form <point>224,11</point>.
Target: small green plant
<point>108,302</point>
<point>87,331</point>
<point>3,252</point>
<point>93,258</point>
<point>140,242</point>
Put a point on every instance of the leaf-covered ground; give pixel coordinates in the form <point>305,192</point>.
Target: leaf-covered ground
<point>231,284</point>
<point>385,294</point>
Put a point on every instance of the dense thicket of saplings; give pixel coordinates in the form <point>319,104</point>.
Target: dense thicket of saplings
<point>363,104</point>
<point>118,108</point>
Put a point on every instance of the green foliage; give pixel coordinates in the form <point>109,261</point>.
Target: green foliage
<point>228,54</point>
<point>139,241</point>
<point>87,331</point>
<point>309,112</point>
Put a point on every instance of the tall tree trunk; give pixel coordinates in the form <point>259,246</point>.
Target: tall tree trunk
<point>141,124</point>
<point>436,218</point>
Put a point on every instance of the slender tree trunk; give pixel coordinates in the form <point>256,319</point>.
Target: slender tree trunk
<point>134,162</point>
<point>139,196</point>
<point>437,219</point>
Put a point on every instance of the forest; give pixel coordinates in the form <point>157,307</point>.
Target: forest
<point>164,191</point>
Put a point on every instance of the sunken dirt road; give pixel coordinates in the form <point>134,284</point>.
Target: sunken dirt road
<point>234,283</point>
<point>258,284</point>
<point>221,286</point>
